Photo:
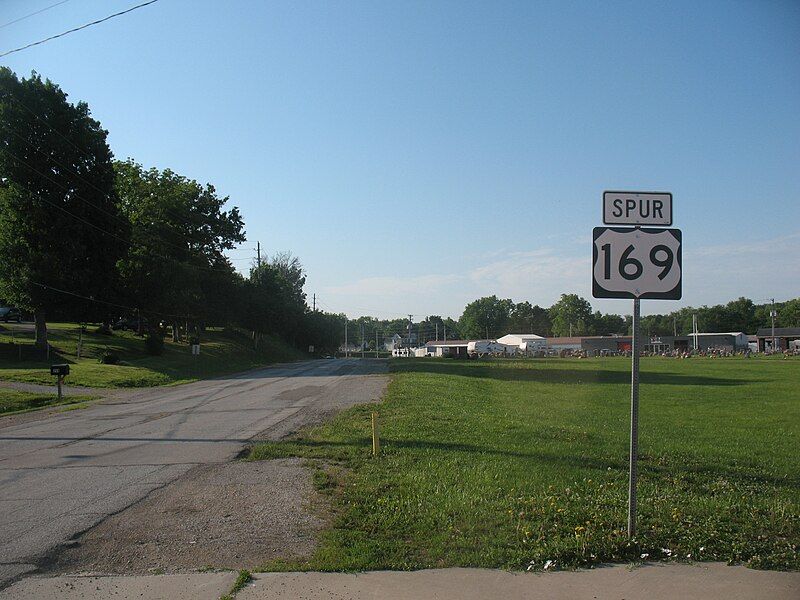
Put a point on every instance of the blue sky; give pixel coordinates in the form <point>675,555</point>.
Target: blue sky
<point>416,156</point>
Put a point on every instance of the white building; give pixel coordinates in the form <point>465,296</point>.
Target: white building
<point>525,342</point>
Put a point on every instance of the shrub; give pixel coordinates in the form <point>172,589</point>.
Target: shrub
<point>154,344</point>
<point>109,358</point>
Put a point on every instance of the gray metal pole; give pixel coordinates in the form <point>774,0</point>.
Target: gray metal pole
<point>634,451</point>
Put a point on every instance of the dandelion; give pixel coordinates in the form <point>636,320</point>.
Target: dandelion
<point>549,565</point>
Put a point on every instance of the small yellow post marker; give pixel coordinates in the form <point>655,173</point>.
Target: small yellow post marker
<point>376,441</point>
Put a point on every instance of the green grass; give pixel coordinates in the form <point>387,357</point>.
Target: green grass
<point>12,401</point>
<point>222,352</point>
<point>242,580</point>
<point>512,464</point>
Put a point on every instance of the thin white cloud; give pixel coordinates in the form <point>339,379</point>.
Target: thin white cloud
<point>712,274</point>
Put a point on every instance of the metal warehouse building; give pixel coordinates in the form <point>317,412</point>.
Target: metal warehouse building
<point>785,338</point>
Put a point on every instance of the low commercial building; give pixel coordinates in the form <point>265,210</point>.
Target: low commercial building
<point>786,338</point>
<point>732,341</point>
<point>457,348</point>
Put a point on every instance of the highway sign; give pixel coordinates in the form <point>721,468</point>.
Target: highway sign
<point>633,262</point>
<point>637,208</point>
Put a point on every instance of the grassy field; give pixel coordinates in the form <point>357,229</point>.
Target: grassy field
<point>222,352</point>
<point>12,401</point>
<point>513,464</point>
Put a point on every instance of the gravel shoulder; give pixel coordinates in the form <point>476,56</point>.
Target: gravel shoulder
<point>227,515</point>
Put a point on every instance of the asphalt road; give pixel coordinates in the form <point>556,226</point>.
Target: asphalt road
<point>64,473</point>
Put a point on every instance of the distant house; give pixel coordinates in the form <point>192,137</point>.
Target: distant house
<point>393,343</point>
<point>785,338</point>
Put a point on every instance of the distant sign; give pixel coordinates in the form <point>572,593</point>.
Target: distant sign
<point>629,262</point>
<point>637,208</point>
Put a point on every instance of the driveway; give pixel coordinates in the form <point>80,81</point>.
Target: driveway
<point>62,474</point>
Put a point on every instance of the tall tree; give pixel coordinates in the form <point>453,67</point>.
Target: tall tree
<point>60,225</point>
<point>571,315</point>
<point>485,317</point>
<point>179,232</point>
<point>525,318</point>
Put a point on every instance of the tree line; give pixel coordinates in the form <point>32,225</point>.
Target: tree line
<point>85,237</point>
<point>492,317</point>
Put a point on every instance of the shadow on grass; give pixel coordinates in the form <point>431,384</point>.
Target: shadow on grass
<point>539,372</point>
<point>352,448</point>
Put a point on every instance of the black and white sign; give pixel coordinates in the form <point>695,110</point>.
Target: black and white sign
<point>629,262</point>
<point>637,208</point>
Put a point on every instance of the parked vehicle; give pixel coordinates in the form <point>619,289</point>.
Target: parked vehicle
<point>9,313</point>
<point>132,323</point>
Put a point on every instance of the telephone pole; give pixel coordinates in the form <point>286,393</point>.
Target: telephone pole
<point>376,341</point>
<point>437,332</point>
<point>258,255</point>
<point>345,338</point>
<point>314,303</point>
<point>362,340</point>
<point>773,313</point>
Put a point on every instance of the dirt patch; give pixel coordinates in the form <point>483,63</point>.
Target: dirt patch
<point>235,515</point>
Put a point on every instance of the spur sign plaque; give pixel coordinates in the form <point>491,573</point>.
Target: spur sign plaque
<point>637,208</point>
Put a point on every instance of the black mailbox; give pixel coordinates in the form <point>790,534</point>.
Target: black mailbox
<point>59,370</point>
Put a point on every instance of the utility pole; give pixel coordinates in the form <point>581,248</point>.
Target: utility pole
<point>773,313</point>
<point>410,325</point>
<point>674,326</point>
<point>314,303</point>
<point>258,255</point>
<point>345,338</point>
<point>445,331</point>
<point>376,342</point>
<point>362,340</point>
<point>437,332</point>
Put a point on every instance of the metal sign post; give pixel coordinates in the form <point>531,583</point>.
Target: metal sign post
<point>634,421</point>
<point>636,262</point>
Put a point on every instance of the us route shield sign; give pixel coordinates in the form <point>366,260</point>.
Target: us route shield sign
<point>633,262</point>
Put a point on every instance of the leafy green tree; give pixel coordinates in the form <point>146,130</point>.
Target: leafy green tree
<point>609,324</point>
<point>485,317</point>
<point>789,314</point>
<point>60,225</point>
<point>571,315</point>
<point>179,232</point>
<point>525,318</point>
<point>740,315</point>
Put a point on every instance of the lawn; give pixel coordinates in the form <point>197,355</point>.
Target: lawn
<point>12,401</point>
<point>515,463</point>
<point>222,351</point>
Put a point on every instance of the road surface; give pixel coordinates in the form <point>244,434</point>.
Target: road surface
<point>64,473</point>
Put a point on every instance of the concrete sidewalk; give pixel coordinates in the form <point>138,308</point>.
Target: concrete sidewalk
<point>651,582</point>
<point>705,581</point>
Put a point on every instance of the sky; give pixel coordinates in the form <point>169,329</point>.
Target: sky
<point>418,155</point>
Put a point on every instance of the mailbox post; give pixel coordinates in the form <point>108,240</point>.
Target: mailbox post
<point>60,371</point>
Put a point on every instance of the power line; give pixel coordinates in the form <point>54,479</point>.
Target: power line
<point>106,302</point>
<point>84,152</point>
<point>100,229</point>
<point>73,30</point>
<point>41,10</point>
